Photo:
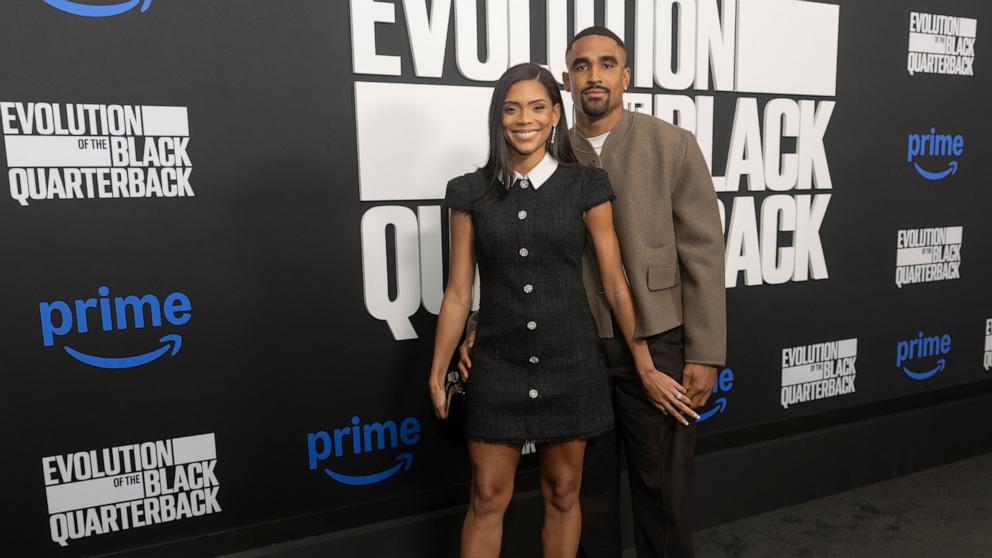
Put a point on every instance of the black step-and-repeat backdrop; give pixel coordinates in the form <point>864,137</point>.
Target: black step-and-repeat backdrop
<point>223,250</point>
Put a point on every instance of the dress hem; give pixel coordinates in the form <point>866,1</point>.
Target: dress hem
<point>539,441</point>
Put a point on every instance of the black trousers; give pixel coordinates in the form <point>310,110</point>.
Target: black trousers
<point>659,452</point>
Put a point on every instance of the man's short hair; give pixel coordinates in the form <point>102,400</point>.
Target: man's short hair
<point>602,32</point>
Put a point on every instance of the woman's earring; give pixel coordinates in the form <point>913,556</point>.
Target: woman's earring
<point>554,132</point>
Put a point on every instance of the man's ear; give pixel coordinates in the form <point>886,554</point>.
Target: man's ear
<point>565,81</point>
<point>626,78</point>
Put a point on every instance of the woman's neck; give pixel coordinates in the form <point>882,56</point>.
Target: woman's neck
<point>523,164</point>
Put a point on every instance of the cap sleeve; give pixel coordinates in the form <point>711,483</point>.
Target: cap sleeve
<point>596,188</point>
<point>458,195</point>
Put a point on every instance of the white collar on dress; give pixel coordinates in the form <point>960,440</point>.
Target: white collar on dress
<point>541,172</point>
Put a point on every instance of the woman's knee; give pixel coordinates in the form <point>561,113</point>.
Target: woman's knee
<point>490,497</point>
<point>561,491</point>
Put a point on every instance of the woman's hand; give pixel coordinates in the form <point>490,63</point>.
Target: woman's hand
<point>667,395</point>
<point>439,398</point>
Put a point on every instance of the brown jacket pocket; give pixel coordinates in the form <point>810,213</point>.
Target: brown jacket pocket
<point>662,277</point>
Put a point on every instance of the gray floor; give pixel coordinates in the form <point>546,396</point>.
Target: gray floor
<point>943,512</point>
<point>940,512</point>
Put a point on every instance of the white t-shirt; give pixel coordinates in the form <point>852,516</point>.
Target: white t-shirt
<point>597,143</point>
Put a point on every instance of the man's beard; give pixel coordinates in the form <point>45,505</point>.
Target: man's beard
<point>596,107</point>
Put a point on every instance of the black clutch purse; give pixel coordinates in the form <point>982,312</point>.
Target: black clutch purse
<point>455,398</point>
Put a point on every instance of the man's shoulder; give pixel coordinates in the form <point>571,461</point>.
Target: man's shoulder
<point>647,125</point>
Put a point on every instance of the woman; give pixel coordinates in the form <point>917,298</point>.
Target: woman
<point>538,373</point>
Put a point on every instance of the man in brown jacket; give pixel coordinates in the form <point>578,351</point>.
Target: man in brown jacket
<point>671,242</point>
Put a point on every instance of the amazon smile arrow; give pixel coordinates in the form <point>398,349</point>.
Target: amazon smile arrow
<point>952,168</point>
<point>172,344</point>
<point>928,374</point>
<point>97,10</point>
<point>720,405</point>
<point>405,460</point>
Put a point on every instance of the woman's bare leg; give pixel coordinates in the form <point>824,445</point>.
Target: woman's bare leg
<point>561,476</point>
<point>493,469</point>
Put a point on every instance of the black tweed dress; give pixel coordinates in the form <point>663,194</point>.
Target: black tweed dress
<point>538,373</point>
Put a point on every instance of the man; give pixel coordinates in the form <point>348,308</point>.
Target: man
<point>671,243</point>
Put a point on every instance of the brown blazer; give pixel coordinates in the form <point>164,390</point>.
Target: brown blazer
<point>671,241</point>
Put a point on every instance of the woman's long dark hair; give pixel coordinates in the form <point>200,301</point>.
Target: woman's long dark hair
<point>498,168</point>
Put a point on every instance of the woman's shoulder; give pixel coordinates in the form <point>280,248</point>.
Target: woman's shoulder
<point>469,179</point>
<point>462,192</point>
